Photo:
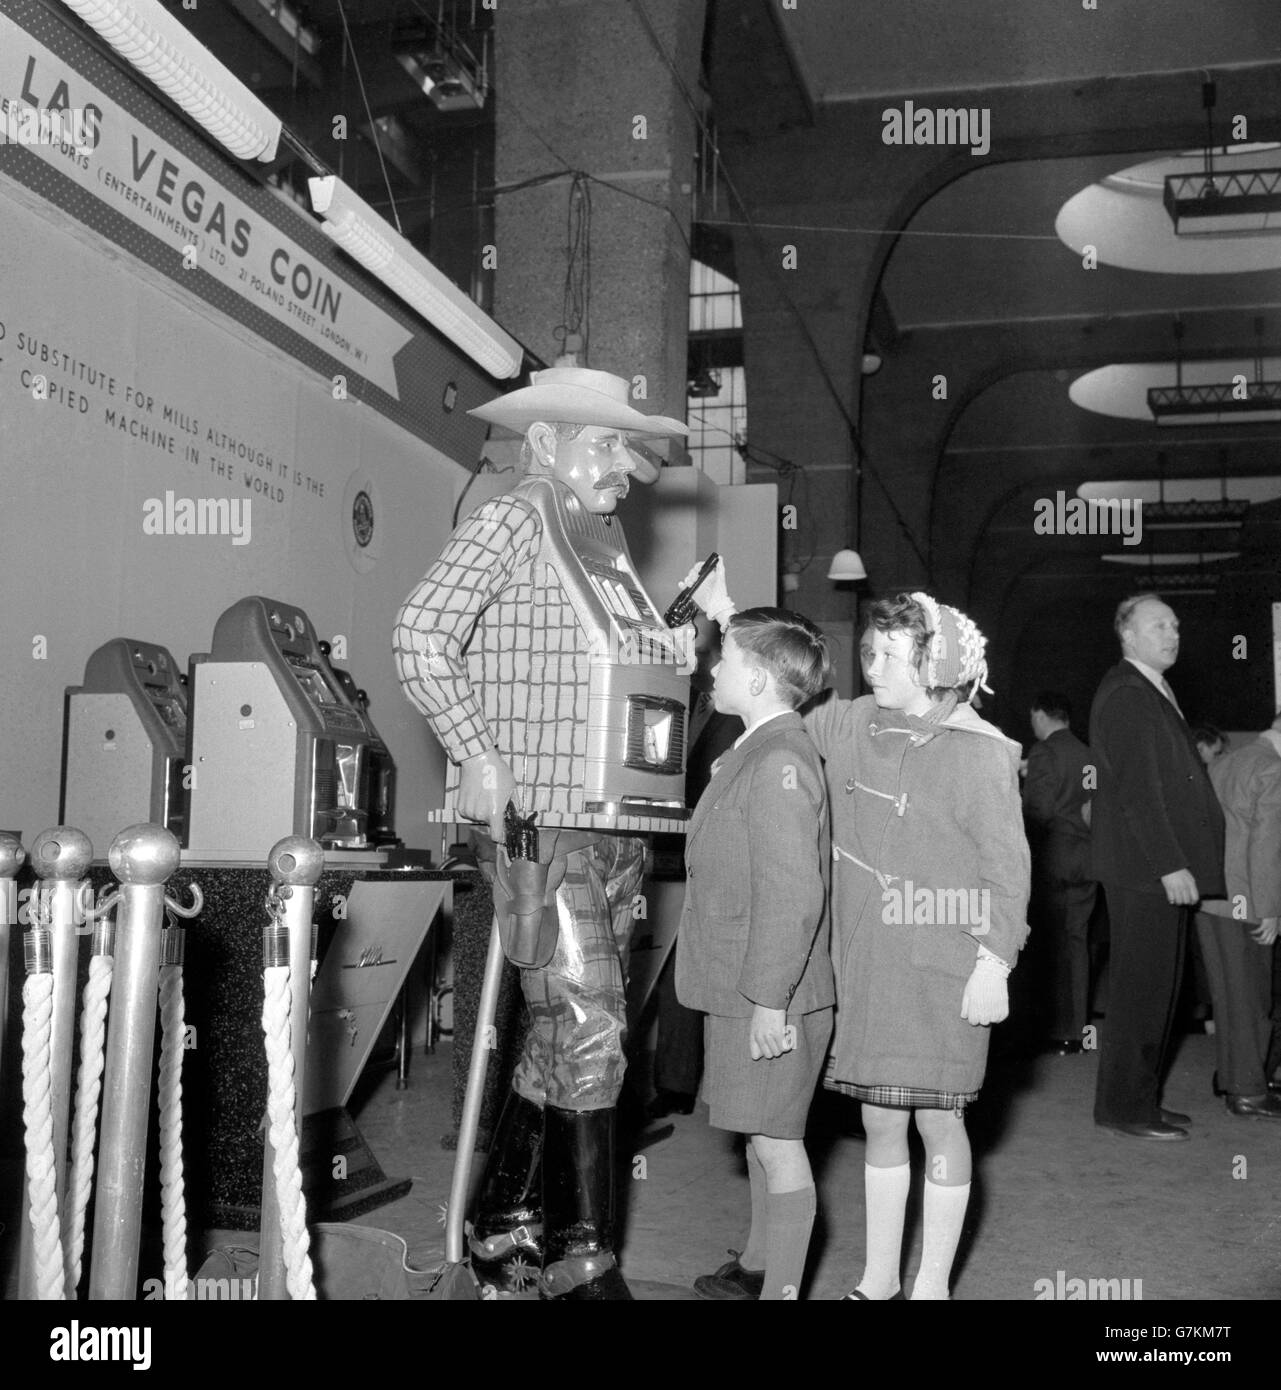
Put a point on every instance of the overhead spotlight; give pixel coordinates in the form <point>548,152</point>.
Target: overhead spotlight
<point>144,34</point>
<point>847,567</point>
<point>370,240</point>
<point>1238,401</point>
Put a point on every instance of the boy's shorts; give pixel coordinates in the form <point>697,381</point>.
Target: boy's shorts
<point>769,1096</point>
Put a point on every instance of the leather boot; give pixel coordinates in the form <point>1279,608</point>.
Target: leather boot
<point>578,1207</point>
<point>507,1234</point>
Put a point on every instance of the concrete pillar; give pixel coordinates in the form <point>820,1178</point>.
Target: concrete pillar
<point>581,84</point>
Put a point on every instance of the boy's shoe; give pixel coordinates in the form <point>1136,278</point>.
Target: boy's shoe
<point>731,1281</point>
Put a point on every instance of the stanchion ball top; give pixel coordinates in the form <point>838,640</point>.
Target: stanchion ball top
<point>12,855</point>
<point>297,860</point>
<point>143,854</point>
<point>62,853</point>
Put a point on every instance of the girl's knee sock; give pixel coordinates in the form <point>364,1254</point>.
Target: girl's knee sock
<point>886,1190</point>
<point>944,1215</point>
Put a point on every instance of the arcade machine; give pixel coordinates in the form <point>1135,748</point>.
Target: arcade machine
<point>378,791</point>
<point>124,743</point>
<point>277,746</point>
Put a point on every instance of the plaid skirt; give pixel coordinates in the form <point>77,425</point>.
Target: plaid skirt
<point>899,1097</point>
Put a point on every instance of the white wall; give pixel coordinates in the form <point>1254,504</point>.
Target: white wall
<point>78,568</point>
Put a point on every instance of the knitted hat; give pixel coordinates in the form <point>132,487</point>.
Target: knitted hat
<point>956,651</point>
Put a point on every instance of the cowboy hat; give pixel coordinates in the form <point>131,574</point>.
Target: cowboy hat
<point>575,396</point>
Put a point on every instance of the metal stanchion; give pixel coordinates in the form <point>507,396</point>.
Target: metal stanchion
<point>12,856</point>
<point>142,857</point>
<point>60,858</point>
<point>296,864</point>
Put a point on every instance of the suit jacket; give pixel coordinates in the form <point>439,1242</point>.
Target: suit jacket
<point>755,929</point>
<point>1053,796</point>
<point>1247,782</point>
<point>1155,810</point>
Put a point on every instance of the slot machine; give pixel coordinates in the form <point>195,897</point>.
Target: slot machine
<point>124,743</point>
<point>276,746</point>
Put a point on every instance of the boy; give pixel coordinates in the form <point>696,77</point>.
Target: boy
<point>752,952</point>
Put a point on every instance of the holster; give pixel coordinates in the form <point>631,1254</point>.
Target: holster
<point>525,893</point>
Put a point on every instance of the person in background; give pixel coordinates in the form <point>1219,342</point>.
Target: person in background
<point>1056,806</point>
<point>1210,742</point>
<point>752,952</point>
<point>1238,933</point>
<point>1156,839</point>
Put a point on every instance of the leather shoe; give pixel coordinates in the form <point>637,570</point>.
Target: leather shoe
<point>1175,1117</point>
<point>1264,1107</point>
<point>1159,1130</point>
<point>731,1281</point>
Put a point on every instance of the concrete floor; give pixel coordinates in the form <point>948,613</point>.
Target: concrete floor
<point>1194,1220</point>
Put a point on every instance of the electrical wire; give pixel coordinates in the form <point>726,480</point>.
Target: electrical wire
<point>749,222</point>
<point>369,115</point>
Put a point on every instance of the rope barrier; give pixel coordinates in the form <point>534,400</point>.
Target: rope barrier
<point>37,1119</point>
<point>84,1130</point>
<point>172,1195</point>
<point>283,1132</point>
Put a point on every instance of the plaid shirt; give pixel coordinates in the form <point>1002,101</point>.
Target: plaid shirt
<point>489,648</point>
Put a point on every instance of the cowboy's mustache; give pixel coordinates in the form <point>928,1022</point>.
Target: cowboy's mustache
<point>614,479</point>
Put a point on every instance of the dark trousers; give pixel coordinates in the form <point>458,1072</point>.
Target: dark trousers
<point>1149,939</point>
<point>1063,912</point>
<point>1240,972</point>
<point>678,1052</point>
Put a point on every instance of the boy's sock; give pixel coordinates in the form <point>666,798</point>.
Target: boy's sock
<point>886,1190</point>
<point>943,1216</point>
<point>790,1221</point>
<point>753,1256</point>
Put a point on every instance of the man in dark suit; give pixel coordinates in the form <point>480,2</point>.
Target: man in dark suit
<point>1056,806</point>
<point>1157,846</point>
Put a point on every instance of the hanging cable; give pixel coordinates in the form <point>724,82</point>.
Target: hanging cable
<point>373,128</point>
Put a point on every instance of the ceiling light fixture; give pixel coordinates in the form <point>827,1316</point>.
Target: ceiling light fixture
<point>1220,402</point>
<point>370,240</point>
<point>150,39</point>
<point>1242,203</point>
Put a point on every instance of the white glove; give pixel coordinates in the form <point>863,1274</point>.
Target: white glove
<point>1267,931</point>
<point>987,996</point>
<point>685,638</point>
<point>712,595</point>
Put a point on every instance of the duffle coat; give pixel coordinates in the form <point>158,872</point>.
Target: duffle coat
<point>930,859</point>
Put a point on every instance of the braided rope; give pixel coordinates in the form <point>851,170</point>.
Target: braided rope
<point>93,1040</point>
<point>37,1118</point>
<point>284,1132</point>
<point>172,1198</point>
